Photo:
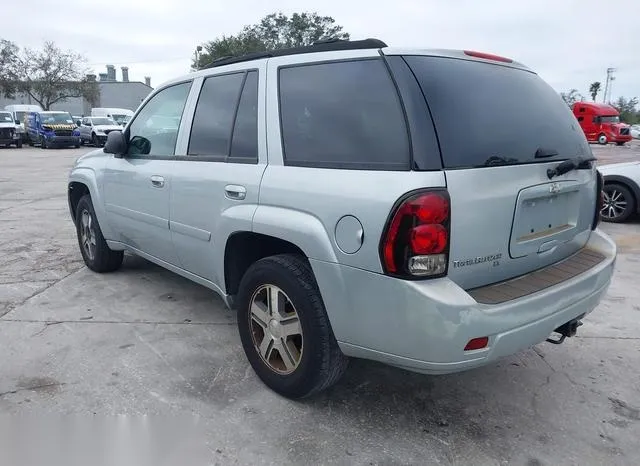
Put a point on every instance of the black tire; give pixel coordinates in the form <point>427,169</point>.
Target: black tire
<point>43,143</point>
<point>104,259</point>
<point>609,212</point>
<point>19,144</point>
<point>619,143</point>
<point>94,140</point>
<point>321,362</point>
<point>602,139</point>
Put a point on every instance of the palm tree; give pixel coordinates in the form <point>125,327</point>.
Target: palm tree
<point>594,89</point>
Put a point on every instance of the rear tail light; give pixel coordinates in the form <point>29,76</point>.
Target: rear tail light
<point>599,200</point>
<point>415,243</point>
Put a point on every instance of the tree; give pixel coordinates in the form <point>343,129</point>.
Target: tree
<point>53,75</point>
<point>628,109</point>
<point>8,65</point>
<point>571,97</point>
<point>594,88</point>
<point>274,31</point>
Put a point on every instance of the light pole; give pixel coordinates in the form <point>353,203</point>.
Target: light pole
<point>608,85</point>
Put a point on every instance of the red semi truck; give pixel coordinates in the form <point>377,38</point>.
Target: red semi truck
<point>601,123</point>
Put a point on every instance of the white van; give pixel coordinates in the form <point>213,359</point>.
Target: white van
<point>119,115</point>
<point>19,111</point>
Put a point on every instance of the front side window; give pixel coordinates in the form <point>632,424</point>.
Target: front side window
<point>6,117</point>
<point>155,129</point>
<point>610,119</point>
<point>342,115</point>
<point>213,119</point>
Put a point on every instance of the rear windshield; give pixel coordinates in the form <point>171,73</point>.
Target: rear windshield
<point>488,115</point>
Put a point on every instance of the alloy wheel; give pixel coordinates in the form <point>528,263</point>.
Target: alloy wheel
<point>614,204</point>
<point>276,331</point>
<point>88,235</point>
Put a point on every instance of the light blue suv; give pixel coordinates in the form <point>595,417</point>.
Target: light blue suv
<point>349,199</point>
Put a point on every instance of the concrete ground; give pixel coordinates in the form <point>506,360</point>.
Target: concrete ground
<point>145,341</point>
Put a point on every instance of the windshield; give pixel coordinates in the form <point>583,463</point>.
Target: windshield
<point>5,117</point>
<point>494,115</point>
<point>56,118</point>
<point>610,119</point>
<point>103,121</point>
<point>119,119</point>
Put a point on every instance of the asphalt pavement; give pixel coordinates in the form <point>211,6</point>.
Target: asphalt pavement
<point>143,341</point>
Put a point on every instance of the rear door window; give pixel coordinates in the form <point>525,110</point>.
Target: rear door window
<point>487,115</point>
<point>343,114</point>
<point>215,111</point>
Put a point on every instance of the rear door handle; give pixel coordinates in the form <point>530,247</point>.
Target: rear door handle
<point>157,181</point>
<point>235,192</point>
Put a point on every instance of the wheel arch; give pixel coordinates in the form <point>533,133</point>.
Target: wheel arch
<point>82,181</point>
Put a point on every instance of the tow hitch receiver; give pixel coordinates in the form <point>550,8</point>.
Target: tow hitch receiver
<point>566,330</point>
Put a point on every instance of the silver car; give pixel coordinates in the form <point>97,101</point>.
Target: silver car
<point>94,130</point>
<point>354,200</point>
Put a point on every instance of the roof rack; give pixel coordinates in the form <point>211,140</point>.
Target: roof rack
<point>326,45</point>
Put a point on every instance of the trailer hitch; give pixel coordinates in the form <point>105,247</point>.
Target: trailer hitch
<point>566,330</point>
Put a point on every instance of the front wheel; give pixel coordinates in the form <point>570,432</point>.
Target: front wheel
<point>19,144</point>
<point>94,249</point>
<point>618,203</point>
<point>602,139</point>
<point>284,328</point>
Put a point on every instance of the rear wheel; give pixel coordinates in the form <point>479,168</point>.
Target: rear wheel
<point>618,204</point>
<point>94,249</point>
<point>602,139</point>
<point>620,143</point>
<point>284,327</point>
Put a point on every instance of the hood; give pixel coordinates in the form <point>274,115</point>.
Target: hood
<point>108,127</point>
<point>55,126</point>
<point>6,124</point>
<point>89,155</point>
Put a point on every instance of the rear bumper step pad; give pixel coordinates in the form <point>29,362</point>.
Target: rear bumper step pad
<point>533,282</point>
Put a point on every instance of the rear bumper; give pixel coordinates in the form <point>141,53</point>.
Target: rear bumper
<point>424,326</point>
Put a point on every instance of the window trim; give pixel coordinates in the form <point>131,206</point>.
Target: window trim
<point>127,131</point>
<point>223,158</point>
<point>344,165</point>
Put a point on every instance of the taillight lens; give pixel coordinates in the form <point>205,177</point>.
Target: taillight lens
<point>415,243</point>
<point>599,200</point>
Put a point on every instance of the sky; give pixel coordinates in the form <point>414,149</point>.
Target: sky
<point>570,43</point>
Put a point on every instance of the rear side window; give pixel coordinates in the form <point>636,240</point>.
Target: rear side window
<point>488,114</point>
<point>342,115</point>
<point>244,144</point>
<point>213,119</point>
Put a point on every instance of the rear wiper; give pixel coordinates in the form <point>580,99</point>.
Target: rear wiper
<point>571,164</point>
<point>543,153</point>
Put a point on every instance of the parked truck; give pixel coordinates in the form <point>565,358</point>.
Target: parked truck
<point>19,112</point>
<point>49,129</point>
<point>601,123</point>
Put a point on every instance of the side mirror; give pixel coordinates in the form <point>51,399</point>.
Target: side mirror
<point>78,123</point>
<point>17,122</point>
<point>116,144</point>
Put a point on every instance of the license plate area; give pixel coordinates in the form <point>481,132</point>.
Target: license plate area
<point>545,214</point>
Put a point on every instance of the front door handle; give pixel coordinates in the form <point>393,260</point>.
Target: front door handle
<point>235,192</point>
<point>157,181</point>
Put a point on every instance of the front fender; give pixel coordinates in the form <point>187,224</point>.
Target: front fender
<point>88,177</point>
